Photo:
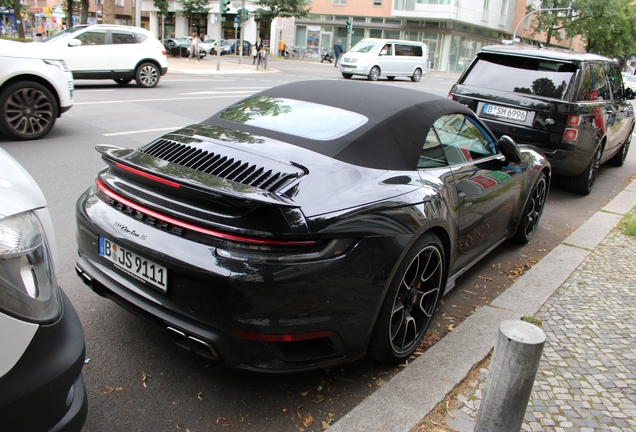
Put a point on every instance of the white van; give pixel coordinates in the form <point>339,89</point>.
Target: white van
<point>385,57</point>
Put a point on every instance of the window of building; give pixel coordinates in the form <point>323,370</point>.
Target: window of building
<point>377,2</point>
<point>486,11</point>
<point>504,13</point>
<point>339,2</point>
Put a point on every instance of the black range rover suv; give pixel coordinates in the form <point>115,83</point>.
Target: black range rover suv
<point>570,106</point>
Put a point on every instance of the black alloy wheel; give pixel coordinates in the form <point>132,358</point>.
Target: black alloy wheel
<point>417,75</point>
<point>583,183</point>
<point>619,158</point>
<point>374,73</point>
<point>147,75</point>
<point>410,302</point>
<point>532,211</point>
<point>29,110</point>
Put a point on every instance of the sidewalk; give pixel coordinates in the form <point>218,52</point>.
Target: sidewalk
<point>583,290</point>
<point>208,66</point>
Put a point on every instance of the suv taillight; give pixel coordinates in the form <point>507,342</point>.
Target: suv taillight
<point>571,132</point>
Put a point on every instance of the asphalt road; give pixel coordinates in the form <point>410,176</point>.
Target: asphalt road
<point>136,378</point>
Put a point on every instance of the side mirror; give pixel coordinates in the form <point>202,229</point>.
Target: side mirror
<point>74,43</point>
<point>509,149</point>
<point>629,93</point>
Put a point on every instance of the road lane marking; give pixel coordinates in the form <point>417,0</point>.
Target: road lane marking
<point>229,95</point>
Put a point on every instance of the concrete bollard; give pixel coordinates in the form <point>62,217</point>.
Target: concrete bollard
<point>513,367</point>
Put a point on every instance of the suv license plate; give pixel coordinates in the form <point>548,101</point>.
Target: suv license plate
<point>503,112</point>
<point>140,268</point>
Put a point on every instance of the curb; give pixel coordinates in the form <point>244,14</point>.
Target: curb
<point>407,398</point>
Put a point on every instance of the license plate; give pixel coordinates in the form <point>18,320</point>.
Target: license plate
<point>347,69</point>
<point>138,267</point>
<point>503,112</point>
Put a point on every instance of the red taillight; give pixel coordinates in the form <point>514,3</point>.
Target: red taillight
<point>570,134</point>
<point>212,233</point>
<point>574,120</point>
<point>451,96</point>
<point>293,337</point>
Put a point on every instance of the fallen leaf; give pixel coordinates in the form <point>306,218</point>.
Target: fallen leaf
<point>369,385</point>
<point>325,425</point>
<point>199,395</point>
<point>221,419</point>
<point>144,378</point>
<point>380,382</point>
<point>451,327</point>
<point>318,398</point>
<point>111,389</point>
<point>308,420</point>
<point>305,393</point>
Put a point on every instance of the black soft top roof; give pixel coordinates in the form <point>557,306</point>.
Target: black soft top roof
<point>392,139</point>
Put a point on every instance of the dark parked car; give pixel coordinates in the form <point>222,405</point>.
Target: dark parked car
<point>571,106</point>
<point>306,225</point>
<point>228,46</point>
<point>180,47</point>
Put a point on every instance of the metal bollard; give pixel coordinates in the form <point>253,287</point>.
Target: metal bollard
<point>513,367</point>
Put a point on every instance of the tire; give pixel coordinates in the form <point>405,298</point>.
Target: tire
<point>417,75</point>
<point>123,81</point>
<point>532,211</point>
<point>28,110</point>
<point>347,75</point>
<point>410,301</point>
<point>619,158</point>
<point>374,73</point>
<point>390,78</point>
<point>147,75</point>
<point>583,183</point>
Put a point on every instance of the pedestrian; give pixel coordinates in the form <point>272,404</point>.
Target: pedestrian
<point>194,47</point>
<point>256,50</point>
<point>337,51</point>
<point>262,57</point>
<point>281,47</point>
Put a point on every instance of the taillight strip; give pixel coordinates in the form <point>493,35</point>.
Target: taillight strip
<point>287,337</point>
<point>148,176</point>
<point>212,233</point>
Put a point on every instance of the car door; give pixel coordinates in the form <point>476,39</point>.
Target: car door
<point>91,56</point>
<point>485,187</point>
<point>124,50</point>
<point>619,120</point>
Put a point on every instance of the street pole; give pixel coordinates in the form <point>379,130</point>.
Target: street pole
<point>218,42</point>
<point>242,27</point>
<point>349,31</point>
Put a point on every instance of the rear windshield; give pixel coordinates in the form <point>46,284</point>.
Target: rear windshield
<point>294,117</point>
<point>522,75</point>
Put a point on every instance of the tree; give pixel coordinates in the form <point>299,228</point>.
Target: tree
<point>108,12</point>
<point>551,22</point>
<point>84,14</point>
<point>267,10</point>
<point>192,7</point>
<point>15,6</point>
<point>606,26</point>
<point>163,7</point>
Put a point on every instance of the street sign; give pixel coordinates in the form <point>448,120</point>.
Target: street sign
<point>279,23</point>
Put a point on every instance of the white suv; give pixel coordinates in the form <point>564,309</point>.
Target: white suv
<point>36,87</point>
<point>105,51</point>
<point>41,337</point>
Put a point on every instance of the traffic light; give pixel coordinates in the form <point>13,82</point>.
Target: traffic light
<point>225,5</point>
<point>348,25</point>
<point>243,15</point>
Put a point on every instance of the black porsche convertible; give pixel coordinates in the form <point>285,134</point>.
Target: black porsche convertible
<point>306,225</point>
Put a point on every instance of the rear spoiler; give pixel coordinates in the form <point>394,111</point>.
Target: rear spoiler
<point>167,173</point>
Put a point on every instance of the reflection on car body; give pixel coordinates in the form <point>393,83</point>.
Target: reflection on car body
<point>308,224</point>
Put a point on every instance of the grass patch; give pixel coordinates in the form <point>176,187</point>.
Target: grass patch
<point>532,320</point>
<point>628,224</point>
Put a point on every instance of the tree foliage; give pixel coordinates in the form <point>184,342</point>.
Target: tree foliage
<point>606,26</point>
<point>267,10</point>
<point>162,5</point>
<point>191,7</point>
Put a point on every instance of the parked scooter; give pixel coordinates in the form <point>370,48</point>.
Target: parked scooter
<point>326,55</point>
